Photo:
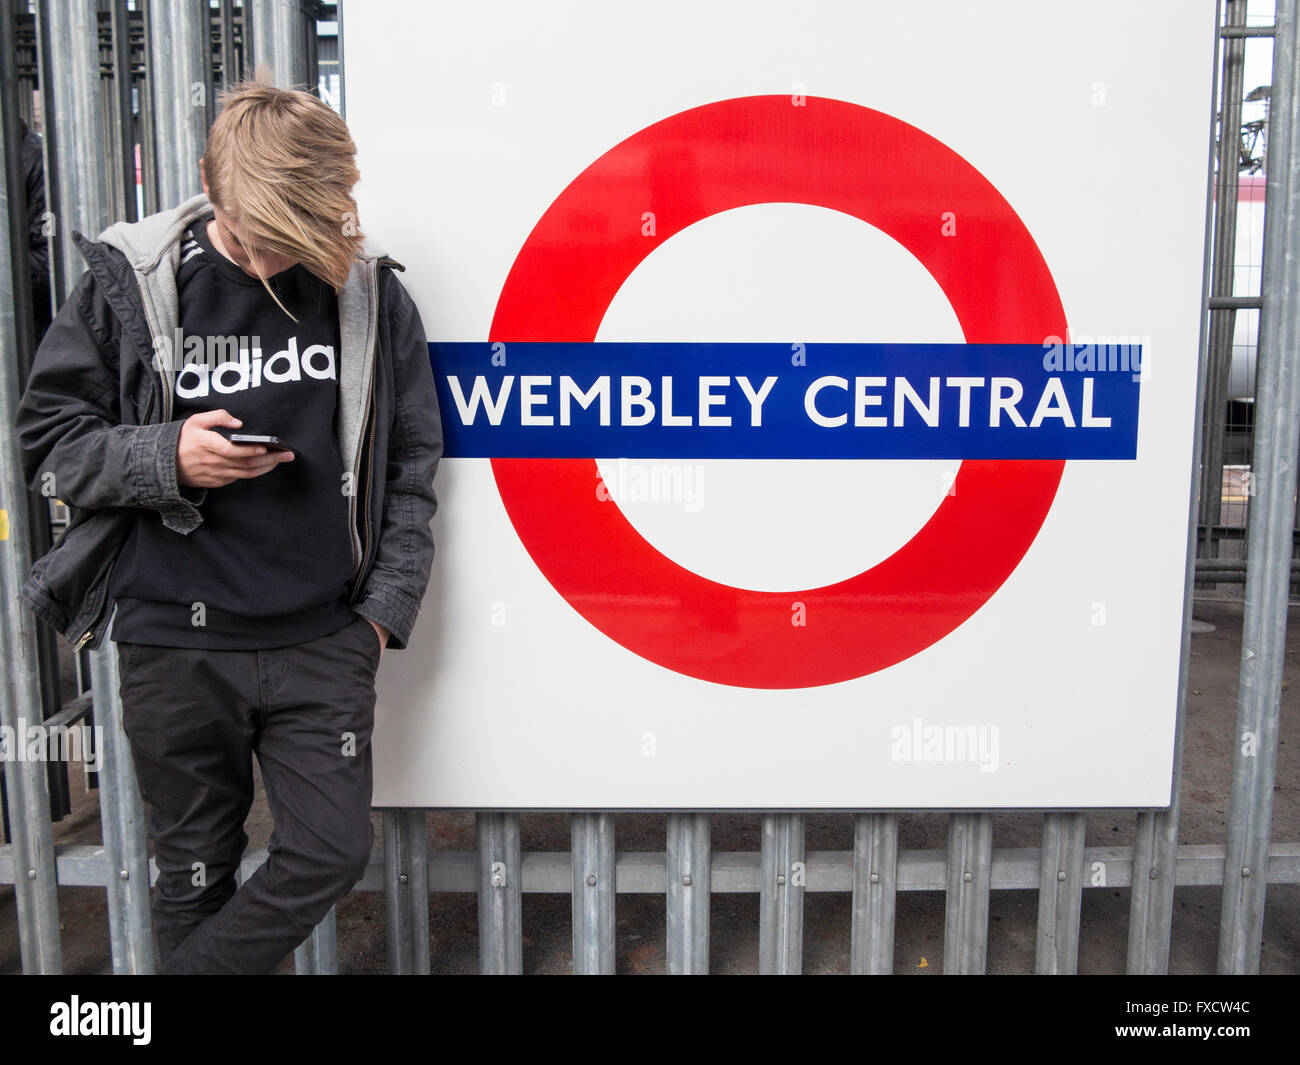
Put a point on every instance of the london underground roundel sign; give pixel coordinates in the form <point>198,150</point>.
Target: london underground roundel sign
<point>736,153</point>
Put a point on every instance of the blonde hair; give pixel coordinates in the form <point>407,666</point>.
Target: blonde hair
<point>281,163</point>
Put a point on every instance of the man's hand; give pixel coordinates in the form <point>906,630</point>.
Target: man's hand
<point>205,459</point>
<point>381,632</point>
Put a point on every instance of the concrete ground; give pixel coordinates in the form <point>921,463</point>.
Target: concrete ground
<point>453,920</point>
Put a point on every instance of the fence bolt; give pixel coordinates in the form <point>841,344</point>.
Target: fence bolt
<point>402,878</point>
<point>967,877</point>
<point>875,878</point>
<point>1246,871</point>
<point>591,881</point>
<point>31,874</point>
<point>686,880</point>
<point>1154,872</point>
<point>1060,874</point>
<point>125,874</point>
<point>780,878</point>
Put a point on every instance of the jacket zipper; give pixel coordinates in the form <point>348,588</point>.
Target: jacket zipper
<point>365,534</point>
<point>99,609</point>
<point>108,577</point>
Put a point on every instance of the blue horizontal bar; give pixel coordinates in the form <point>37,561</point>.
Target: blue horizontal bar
<point>787,401</point>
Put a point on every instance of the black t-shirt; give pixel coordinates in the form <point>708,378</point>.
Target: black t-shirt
<point>271,563</point>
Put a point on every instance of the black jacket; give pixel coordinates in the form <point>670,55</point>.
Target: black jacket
<point>95,428</point>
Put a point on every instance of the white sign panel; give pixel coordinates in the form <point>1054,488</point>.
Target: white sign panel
<point>818,383</point>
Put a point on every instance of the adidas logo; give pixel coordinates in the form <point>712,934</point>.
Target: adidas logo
<point>197,380</point>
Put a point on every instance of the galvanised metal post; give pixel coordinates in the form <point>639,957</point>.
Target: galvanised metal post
<point>592,851</point>
<point>343,66</point>
<point>229,71</point>
<point>75,184</point>
<point>406,891</point>
<point>12,90</point>
<point>1155,845</point>
<point>35,884</point>
<point>124,120</point>
<point>1223,322</point>
<point>966,907</point>
<point>122,821</point>
<point>71,68</point>
<point>279,40</point>
<point>318,954</point>
<point>782,881</point>
<point>75,86</point>
<point>500,930</point>
<point>148,133</point>
<point>689,887</point>
<point>178,35</point>
<point>1060,893</point>
<point>875,881</point>
<point>1268,575</point>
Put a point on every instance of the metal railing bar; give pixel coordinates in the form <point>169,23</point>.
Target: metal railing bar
<point>733,872</point>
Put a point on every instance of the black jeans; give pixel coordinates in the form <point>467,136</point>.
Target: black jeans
<point>194,719</point>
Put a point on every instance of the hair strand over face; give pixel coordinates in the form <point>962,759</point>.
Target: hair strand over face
<point>281,163</point>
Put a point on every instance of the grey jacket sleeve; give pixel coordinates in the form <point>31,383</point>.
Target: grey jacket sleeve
<point>399,576</point>
<point>71,441</point>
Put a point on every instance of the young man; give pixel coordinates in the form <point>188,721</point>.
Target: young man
<point>254,587</point>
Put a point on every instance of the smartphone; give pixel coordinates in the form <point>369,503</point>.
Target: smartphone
<point>271,443</point>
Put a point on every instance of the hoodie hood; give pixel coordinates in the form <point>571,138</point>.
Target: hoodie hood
<point>144,242</point>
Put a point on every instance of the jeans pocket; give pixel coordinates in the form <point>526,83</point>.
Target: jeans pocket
<point>372,637</point>
<point>126,653</point>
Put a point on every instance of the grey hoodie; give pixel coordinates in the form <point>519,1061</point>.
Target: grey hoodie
<point>95,426</point>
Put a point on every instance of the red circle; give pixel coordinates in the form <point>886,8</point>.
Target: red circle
<point>735,153</point>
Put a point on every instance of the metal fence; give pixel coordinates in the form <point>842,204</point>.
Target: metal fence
<point>114,74</point>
